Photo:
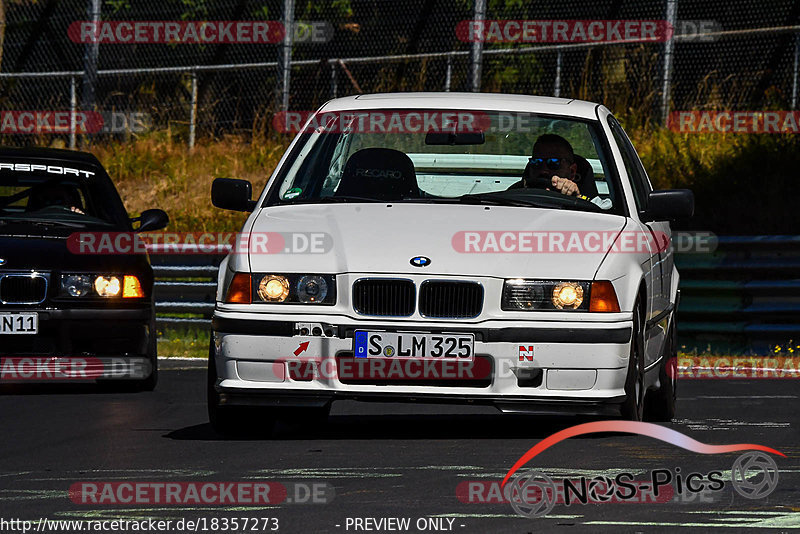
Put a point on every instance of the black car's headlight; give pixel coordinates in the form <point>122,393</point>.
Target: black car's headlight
<point>292,289</point>
<point>534,295</point>
<point>101,285</point>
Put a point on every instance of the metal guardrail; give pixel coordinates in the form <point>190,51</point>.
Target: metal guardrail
<point>185,288</point>
<point>743,296</point>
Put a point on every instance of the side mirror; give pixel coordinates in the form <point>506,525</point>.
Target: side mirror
<point>669,205</point>
<point>151,220</point>
<point>230,194</point>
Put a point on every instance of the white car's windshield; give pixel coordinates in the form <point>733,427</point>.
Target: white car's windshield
<point>497,158</point>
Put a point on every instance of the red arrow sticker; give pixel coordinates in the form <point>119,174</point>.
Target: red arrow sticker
<point>302,348</point>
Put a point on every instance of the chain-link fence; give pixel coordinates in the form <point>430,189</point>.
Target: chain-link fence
<point>746,59</point>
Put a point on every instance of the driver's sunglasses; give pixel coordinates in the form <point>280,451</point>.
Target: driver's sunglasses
<point>552,164</point>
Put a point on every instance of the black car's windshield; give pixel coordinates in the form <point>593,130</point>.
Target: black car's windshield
<point>500,158</point>
<point>47,200</point>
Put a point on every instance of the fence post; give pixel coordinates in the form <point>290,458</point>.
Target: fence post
<point>285,58</point>
<point>557,84</point>
<point>193,112</point>
<point>73,109</point>
<point>477,47</point>
<point>672,10</point>
<point>91,53</point>
<point>795,71</point>
<point>334,84</point>
<point>449,72</point>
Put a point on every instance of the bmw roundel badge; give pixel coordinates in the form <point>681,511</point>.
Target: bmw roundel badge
<point>420,261</point>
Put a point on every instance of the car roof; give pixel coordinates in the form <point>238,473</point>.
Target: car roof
<point>466,101</point>
<point>62,155</point>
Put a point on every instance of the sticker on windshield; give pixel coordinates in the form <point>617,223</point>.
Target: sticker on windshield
<point>51,169</point>
<point>292,193</point>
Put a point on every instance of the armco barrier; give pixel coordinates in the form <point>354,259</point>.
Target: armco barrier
<point>744,296</point>
<point>185,287</point>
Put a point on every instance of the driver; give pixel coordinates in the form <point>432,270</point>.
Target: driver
<point>554,160</point>
<point>46,195</point>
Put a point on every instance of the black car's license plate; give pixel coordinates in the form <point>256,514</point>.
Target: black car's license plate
<point>19,323</point>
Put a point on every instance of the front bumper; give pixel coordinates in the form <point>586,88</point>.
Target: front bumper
<point>79,345</point>
<point>575,367</point>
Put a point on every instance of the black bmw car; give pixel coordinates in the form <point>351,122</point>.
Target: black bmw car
<point>67,312</point>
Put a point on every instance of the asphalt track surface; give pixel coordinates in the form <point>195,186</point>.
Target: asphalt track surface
<point>384,461</point>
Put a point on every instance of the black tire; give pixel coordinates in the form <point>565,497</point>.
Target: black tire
<point>633,407</point>
<point>659,405</point>
<point>234,420</point>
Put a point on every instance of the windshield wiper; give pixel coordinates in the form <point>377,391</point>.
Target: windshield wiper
<point>489,198</point>
<point>349,199</point>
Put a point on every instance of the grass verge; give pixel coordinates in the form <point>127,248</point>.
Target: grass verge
<point>730,175</point>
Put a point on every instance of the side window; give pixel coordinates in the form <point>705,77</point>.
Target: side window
<point>636,173</point>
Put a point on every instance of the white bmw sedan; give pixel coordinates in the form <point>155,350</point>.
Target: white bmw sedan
<point>441,247</point>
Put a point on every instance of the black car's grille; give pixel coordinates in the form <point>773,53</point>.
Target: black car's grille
<point>22,289</point>
<point>451,300</point>
<point>384,297</point>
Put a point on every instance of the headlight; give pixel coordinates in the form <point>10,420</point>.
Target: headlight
<point>312,289</point>
<point>76,285</point>
<point>294,288</point>
<point>568,295</point>
<point>107,286</point>
<point>521,294</point>
<point>273,288</point>
<point>535,295</point>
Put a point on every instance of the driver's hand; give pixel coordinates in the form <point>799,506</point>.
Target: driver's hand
<point>565,186</point>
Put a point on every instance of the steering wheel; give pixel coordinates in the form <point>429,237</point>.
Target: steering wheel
<point>540,186</point>
<point>539,182</point>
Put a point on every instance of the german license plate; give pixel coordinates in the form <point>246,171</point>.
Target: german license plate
<point>19,323</point>
<point>413,345</point>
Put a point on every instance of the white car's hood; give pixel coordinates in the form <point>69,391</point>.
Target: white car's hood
<point>383,238</point>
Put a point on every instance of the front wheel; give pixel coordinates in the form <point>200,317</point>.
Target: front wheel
<point>149,383</point>
<point>660,404</point>
<point>633,407</point>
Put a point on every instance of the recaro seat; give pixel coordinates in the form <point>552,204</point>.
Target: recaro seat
<point>379,173</point>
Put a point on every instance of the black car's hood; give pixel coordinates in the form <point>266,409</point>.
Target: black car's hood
<point>22,251</point>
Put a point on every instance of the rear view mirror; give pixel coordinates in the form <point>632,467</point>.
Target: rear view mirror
<point>231,194</point>
<point>669,205</point>
<point>455,138</point>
